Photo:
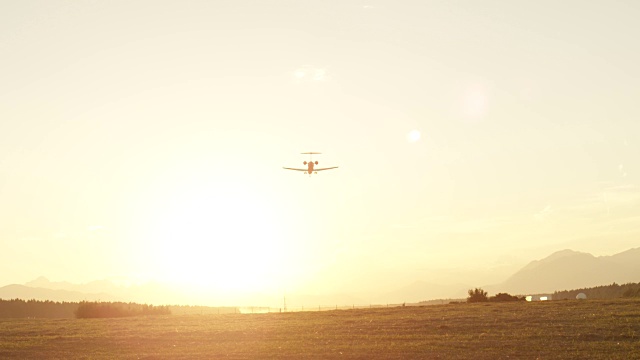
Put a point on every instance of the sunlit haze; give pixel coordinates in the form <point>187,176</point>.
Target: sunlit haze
<point>146,140</point>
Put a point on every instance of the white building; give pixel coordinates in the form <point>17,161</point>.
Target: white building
<point>541,297</point>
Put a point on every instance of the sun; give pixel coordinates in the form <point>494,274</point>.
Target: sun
<point>222,239</point>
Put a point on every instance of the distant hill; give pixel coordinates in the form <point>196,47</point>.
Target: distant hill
<point>421,291</point>
<point>568,269</point>
<point>147,293</point>
<point>16,291</point>
<point>113,290</point>
<point>628,259</point>
<point>98,286</point>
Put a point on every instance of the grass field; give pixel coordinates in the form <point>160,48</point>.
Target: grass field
<point>544,330</point>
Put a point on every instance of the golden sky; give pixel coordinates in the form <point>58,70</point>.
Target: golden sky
<point>146,139</point>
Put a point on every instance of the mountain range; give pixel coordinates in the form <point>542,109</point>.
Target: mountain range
<point>16,291</point>
<point>101,290</point>
<point>562,270</point>
<point>568,269</point>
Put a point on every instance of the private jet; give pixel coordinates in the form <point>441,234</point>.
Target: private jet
<point>311,165</point>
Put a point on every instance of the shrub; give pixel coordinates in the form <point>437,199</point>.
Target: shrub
<point>477,295</point>
<point>500,297</point>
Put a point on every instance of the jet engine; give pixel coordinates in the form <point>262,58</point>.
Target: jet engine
<point>316,162</point>
<point>305,163</point>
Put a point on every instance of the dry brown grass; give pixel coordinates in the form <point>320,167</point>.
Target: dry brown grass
<point>546,330</point>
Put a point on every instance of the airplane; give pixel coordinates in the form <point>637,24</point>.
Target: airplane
<point>310,165</point>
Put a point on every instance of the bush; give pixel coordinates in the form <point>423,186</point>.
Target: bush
<point>500,297</point>
<point>477,295</point>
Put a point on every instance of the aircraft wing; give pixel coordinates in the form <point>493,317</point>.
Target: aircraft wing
<point>335,167</point>
<point>295,169</point>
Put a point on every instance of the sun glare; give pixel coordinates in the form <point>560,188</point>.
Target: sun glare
<point>218,240</point>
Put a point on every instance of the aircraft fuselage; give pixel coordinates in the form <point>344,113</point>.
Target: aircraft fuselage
<point>310,165</point>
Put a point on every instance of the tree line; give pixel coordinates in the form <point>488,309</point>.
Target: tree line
<point>18,308</point>
<point>95,309</point>
<point>613,291</point>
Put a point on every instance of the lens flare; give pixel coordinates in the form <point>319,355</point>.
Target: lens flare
<point>413,136</point>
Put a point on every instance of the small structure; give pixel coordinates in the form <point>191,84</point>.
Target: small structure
<point>581,296</point>
<point>538,298</point>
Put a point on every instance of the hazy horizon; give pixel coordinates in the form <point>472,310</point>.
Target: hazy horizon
<point>146,139</point>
